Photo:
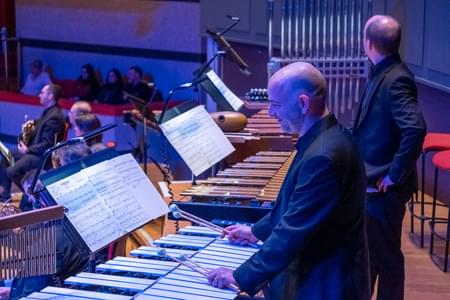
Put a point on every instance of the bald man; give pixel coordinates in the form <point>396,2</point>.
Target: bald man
<point>390,129</point>
<point>314,244</point>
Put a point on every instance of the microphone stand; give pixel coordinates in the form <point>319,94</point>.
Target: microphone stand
<point>73,141</point>
<point>222,43</point>
<point>198,73</point>
<point>176,90</point>
<point>144,144</point>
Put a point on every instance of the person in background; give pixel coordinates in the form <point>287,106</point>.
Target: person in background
<point>49,130</point>
<point>85,123</point>
<point>87,86</point>
<point>77,109</point>
<point>111,91</point>
<point>138,88</point>
<point>36,79</point>
<point>390,130</point>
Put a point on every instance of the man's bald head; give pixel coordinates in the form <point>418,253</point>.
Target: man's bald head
<point>302,78</point>
<point>384,32</point>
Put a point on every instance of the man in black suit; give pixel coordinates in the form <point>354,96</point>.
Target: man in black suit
<point>137,87</point>
<point>314,244</point>
<point>49,129</point>
<point>389,129</point>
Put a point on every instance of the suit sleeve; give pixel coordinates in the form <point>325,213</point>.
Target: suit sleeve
<point>52,127</point>
<point>314,198</point>
<point>262,228</point>
<point>408,118</point>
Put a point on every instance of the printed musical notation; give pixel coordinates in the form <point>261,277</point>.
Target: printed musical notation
<point>197,138</point>
<point>231,97</point>
<point>108,200</point>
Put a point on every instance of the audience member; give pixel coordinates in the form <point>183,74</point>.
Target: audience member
<point>138,88</point>
<point>111,91</point>
<point>36,79</point>
<point>87,86</point>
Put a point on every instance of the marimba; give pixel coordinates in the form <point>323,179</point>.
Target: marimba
<point>243,193</point>
<point>145,276</point>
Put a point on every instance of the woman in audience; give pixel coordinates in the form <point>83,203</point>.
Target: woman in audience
<point>86,87</point>
<point>111,91</point>
<point>85,123</point>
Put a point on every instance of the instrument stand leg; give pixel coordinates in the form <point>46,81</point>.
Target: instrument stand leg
<point>144,144</point>
<point>92,262</point>
<point>194,182</point>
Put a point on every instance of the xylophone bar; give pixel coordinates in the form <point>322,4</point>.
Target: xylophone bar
<point>65,293</point>
<point>151,252</point>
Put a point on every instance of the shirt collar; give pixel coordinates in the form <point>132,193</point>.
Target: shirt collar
<point>384,64</point>
<point>320,126</point>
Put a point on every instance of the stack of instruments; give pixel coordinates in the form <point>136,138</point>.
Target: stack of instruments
<point>243,193</point>
<point>28,243</point>
<point>146,275</point>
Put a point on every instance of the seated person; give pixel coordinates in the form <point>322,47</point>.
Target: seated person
<point>85,123</point>
<point>138,88</point>
<point>87,86</point>
<point>70,153</point>
<point>77,109</point>
<point>111,91</point>
<point>49,129</point>
<point>36,79</point>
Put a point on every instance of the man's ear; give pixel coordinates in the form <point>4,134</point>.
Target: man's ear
<point>304,103</point>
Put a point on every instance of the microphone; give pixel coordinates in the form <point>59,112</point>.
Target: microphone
<point>231,54</point>
<point>233,18</point>
<point>148,83</point>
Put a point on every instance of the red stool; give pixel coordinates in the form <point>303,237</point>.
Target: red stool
<point>442,162</point>
<point>433,142</point>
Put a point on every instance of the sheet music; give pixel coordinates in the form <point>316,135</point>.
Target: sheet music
<point>232,99</point>
<point>108,200</point>
<point>197,138</point>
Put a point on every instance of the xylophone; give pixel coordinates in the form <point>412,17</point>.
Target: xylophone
<point>146,276</point>
<point>243,193</point>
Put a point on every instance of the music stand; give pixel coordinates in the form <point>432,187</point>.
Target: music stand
<point>146,111</point>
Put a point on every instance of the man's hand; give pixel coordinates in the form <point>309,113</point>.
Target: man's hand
<point>240,234</point>
<point>22,147</point>
<point>384,183</point>
<point>221,278</point>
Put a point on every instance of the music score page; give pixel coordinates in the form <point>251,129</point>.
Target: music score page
<point>106,201</point>
<point>197,138</point>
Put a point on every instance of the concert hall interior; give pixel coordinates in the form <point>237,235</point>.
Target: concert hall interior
<point>240,149</point>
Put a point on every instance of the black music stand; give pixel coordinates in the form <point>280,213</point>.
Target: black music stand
<point>144,108</point>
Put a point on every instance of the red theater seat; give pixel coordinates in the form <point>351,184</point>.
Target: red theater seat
<point>441,161</point>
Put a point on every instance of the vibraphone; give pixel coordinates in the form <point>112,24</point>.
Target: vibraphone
<point>243,193</point>
<point>145,276</point>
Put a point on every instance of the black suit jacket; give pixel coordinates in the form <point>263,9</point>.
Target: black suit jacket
<point>50,124</point>
<point>314,242</point>
<point>389,126</point>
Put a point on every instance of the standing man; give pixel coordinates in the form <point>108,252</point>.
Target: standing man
<point>314,243</point>
<point>49,129</point>
<point>389,129</point>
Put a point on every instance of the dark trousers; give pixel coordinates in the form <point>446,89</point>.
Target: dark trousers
<point>384,215</point>
<point>23,164</point>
